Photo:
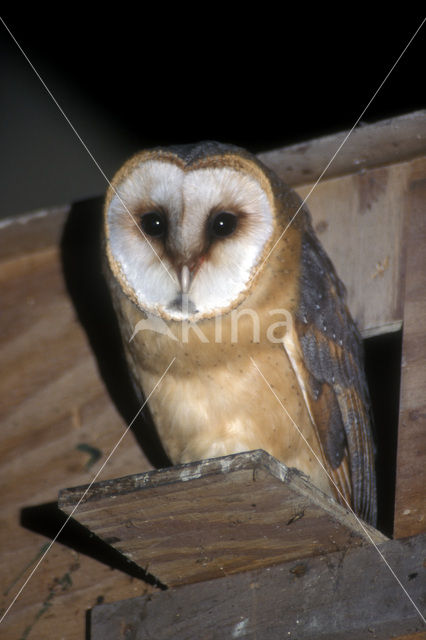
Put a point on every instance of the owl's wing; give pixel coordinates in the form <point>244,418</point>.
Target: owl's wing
<point>326,353</point>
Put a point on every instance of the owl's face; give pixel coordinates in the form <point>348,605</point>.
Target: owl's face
<point>184,239</point>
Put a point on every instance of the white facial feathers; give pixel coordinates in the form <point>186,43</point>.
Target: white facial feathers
<point>216,271</point>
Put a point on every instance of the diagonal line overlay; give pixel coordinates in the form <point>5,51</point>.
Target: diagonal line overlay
<point>359,522</point>
<point>342,143</point>
<point>164,266</point>
<point>83,496</point>
<point>83,144</point>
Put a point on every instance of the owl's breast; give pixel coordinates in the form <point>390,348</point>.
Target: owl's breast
<point>227,408</point>
<point>213,401</point>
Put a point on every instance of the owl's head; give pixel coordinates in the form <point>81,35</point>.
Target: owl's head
<point>187,227</point>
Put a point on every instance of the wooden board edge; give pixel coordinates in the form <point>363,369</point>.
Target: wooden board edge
<point>258,461</point>
<point>389,141</point>
<point>338,596</point>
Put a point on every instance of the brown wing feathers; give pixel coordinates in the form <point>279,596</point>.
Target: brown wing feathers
<point>337,391</point>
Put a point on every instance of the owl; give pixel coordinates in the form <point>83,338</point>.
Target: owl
<point>217,277</point>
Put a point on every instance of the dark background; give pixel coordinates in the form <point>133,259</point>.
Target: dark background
<point>129,78</point>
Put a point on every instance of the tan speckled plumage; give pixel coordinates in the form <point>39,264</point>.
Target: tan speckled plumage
<point>213,401</point>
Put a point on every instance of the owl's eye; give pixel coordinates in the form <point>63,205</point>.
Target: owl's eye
<point>223,224</point>
<point>153,224</point>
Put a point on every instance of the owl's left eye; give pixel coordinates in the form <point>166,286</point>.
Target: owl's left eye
<point>153,224</point>
<point>223,224</point>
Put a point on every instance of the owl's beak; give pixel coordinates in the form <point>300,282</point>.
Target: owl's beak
<point>187,273</point>
<point>185,278</point>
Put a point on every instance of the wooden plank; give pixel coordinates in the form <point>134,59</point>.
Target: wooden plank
<point>347,595</point>
<point>53,400</point>
<point>215,517</point>
<point>31,233</point>
<point>374,145</point>
<point>359,220</point>
<point>410,503</point>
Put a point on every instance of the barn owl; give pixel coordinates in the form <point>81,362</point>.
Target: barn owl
<point>213,265</point>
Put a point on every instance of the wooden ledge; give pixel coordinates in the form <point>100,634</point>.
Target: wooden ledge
<point>212,518</point>
<point>342,596</point>
<point>378,144</point>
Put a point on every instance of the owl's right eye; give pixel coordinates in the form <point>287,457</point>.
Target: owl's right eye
<point>154,224</point>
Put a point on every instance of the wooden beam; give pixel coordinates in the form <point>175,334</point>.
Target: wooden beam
<point>410,503</point>
<point>32,233</point>
<point>212,518</point>
<point>374,145</point>
<point>359,220</point>
<point>347,595</point>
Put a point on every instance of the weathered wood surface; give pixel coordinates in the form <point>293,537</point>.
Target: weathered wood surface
<point>56,416</point>
<point>62,402</point>
<point>342,596</point>
<point>216,517</point>
<point>387,204</point>
<point>374,145</point>
<point>410,499</point>
<point>370,208</point>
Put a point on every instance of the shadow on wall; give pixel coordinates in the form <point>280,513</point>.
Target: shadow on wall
<point>47,519</point>
<point>82,261</point>
<point>383,368</point>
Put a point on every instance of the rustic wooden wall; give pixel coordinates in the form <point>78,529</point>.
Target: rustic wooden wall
<point>382,212</point>
<point>410,503</point>
<point>341,596</point>
<point>56,416</point>
<point>63,404</point>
